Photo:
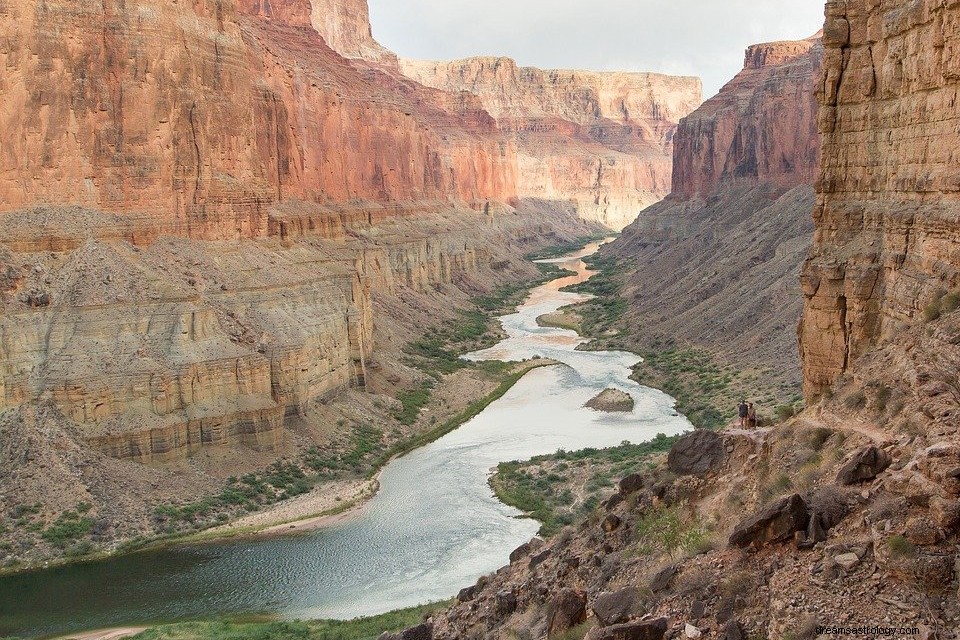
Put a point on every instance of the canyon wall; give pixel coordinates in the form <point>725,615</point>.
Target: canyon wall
<point>601,140</point>
<point>886,238</point>
<point>193,119</point>
<point>761,127</point>
<point>736,229</point>
<point>202,201</point>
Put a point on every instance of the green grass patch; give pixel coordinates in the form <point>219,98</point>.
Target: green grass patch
<point>548,496</point>
<point>360,629</point>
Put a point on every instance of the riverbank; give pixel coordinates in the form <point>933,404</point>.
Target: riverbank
<point>425,393</point>
<point>321,509</point>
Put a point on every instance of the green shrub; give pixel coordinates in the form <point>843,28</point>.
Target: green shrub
<point>900,547</point>
<point>785,412</point>
<point>950,302</point>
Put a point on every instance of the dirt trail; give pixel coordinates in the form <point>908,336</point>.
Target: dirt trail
<point>106,634</point>
<point>817,419</point>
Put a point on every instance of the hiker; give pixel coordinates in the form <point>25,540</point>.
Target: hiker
<point>743,411</point>
<point>752,416</point>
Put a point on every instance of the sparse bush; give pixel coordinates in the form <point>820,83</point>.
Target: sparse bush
<point>819,437</point>
<point>950,302</point>
<point>900,547</point>
<point>856,400</point>
<point>785,412</point>
<point>882,398</point>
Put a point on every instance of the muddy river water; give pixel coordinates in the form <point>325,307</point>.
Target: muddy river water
<point>433,528</point>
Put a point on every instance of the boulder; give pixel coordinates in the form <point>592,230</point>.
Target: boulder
<point>692,632</point>
<point>419,632</point>
<point>611,523</point>
<point>866,464</point>
<point>631,484</point>
<point>612,401</point>
<point>847,560</point>
<point>468,593</point>
<point>506,603</point>
<point>614,607</point>
<point>647,630</point>
<point>733,631</point>
<point>661,579</point>
<point>697,454</point>
<point>775,523</point>
<point>525,549</point>
<point>566,610</point>
<point>538,559</point>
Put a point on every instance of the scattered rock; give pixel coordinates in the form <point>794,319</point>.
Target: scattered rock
<point>847,560</point>
<point>612,401</point>
<point>419,632</point>
<point>775,523</point>
<point>697,453</point>
<point>506,603</point>
<point>648,630</point>
<point>611,523</point>
<point>733,631</point>
<point>692,632</point>
<point>866,464</point>
<point>614,607</point>
<point>923,531</point>
<point>567,609</point>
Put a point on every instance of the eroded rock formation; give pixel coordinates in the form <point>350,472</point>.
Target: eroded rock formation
<point>887,199</point>
<point>760,128</point>
<point>602,140</point>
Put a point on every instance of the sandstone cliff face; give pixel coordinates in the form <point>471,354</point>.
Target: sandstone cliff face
<point>886,218</point>
<point>602,140</point>
<point>737,227</point>
<point>761,127</point>
<point>194,118</point>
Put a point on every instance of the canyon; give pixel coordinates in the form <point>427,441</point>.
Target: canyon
<point>223,224</point>
<point>844,516</point>
<point>602,140</point>
<point>736,228</point>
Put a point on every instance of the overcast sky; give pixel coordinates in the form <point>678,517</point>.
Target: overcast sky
<point>705,38</point>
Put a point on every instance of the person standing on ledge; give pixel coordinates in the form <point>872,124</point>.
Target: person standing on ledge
<point>743,410</point>
<point>752,416</point>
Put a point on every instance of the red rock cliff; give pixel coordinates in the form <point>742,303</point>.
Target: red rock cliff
<point>603,140</point>
<point>889,191</point>
<point>761,127</point>
<point>194,118</point>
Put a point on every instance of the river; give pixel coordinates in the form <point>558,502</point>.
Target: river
<point>433,528</point>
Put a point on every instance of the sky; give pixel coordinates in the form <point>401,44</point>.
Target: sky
<point>704,38</point>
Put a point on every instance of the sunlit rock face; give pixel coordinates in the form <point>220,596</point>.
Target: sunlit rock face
<point>601,140</point>
<point>760,128</point>
<point>887,200</point>
<point>194,118</point>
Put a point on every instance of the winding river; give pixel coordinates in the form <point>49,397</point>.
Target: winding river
<point>433,528</point>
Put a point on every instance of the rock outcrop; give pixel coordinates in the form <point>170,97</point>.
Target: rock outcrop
<point>602,140</point>
<point>736,229</point>
<point>887,200</point>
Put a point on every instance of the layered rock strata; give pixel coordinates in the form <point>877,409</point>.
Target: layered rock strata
<point>250,108</point>
<point>887,199</point>
<point>601,140</point>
